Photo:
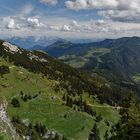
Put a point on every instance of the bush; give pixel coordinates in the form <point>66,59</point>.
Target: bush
<point>99,118</point>
<point>4,70</point>
<point>15,102</point>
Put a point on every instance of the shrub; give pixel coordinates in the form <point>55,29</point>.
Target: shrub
<point>15,102</point>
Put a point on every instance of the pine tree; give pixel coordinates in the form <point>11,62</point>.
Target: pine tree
<point>106,135</point>
<point>99,118</point>
<point>94,135</point>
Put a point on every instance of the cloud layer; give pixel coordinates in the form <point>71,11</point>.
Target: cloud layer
<point>67,28</point>
<point>12,25</point>
<point>49,2</point>
<point>116,18</point>
<point>119,10</point>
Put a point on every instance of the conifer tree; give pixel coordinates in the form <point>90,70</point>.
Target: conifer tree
<point>94,135</point>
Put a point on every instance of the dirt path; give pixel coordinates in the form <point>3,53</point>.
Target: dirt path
<point>107,106</point>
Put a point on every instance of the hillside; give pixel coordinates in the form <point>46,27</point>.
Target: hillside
<point>47,95</point>
<point>116,59</point>
<point>62,47</point>
<point>128,127</point>
<point>73,80</point>
<point>46,110</point>
<point>43,97</point>
<point>120,58</point>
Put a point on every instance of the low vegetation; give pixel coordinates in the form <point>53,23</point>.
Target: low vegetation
<point>46,106</point>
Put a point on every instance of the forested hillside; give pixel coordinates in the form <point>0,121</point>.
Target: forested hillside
<point>120,57</point>
<point>74,81</point>
<point>115,59</point>
<point>43,98</point>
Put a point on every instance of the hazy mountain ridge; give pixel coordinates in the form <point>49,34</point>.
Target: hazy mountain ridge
<point>38,43</point>
<point>31,41</point>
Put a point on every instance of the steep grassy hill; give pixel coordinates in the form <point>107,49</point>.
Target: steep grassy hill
<point>33,85</point>
<point>72,80</point>
<point>49,108</point>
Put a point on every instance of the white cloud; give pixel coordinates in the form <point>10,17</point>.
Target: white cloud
<point>120,10</point>
<point>88,4</point>
<point>104,4</point>
<point>74,23</point>
<point>23,19</point>
<point>54,27</point>
<point>34,22</point>
<point>100,22</point>
<point>17,23</point>
<point>78,4</point>
<point>117,18</point>
<point>50,2</point>
<point>12,25</point>
<point>66,28</point>
<point>123,16</point>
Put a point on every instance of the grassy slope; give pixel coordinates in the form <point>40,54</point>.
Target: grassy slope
<point>4,136</point>
<point>76,125</point>
<point>80,61</point>
<point>136,78</point>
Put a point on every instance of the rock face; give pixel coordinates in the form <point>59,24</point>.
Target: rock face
<point>5,122</point>
<point>10,47</point>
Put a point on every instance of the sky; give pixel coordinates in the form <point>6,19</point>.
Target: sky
<point>70,19</point>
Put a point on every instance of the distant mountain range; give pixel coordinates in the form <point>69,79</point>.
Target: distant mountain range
<point>34,43</point>
<point>31,41</point>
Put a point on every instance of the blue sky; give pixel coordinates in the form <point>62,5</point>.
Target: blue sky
<point>81,19</point>
<point>8,7</point>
